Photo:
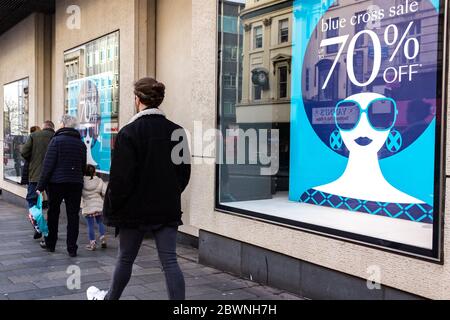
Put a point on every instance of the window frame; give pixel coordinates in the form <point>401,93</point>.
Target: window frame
<point>396,249</point>
<point>255,39</point>
<point>280,31</point>
<point>279,66</point>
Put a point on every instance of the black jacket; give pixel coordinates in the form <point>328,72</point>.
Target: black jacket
<point>65,161</point>
<point>145,184</point>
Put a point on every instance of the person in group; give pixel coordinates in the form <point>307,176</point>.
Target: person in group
<point>92,207</point>
<point>26,165</point>
<point>34,152</point>
<point>144,192</point>
<point>63,177</point>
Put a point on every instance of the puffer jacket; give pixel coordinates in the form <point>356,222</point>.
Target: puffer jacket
<point>65,161</point>
<point>93,193</point>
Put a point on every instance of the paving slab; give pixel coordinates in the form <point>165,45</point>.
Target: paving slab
<point>29,273</point>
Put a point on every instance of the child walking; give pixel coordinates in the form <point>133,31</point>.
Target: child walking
<point>93,193</point>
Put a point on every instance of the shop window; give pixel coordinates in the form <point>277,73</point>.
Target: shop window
<point>15,128</point>
<point>92,95</point>
<point>283,31</point>
<point>353,154</point>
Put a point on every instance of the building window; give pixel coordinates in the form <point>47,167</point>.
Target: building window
<point>92,95</point>
<point>283,31</point>
<point>234,53</point>
<point>229,81</point>
<point>230,25</point>
<point>331,91</point>
<point>307,79</point>
<point>360,26</point>
<point>228,108</point>
<point>335,3</point>
<point>331,33</point>
<point>230,53</point>
<point>257,92</point>
<point>258,37</point>
<point>414,32</point>
<point>283,82</point>
<point>15,128</point>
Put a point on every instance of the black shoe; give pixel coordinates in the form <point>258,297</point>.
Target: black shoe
<point>45,247</point>
<point>37,236</point>
<point>73,254</point>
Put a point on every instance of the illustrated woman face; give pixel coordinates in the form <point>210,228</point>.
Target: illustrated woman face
<point>365,121</point>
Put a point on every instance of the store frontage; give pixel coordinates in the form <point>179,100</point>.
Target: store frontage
<point>326,172</point>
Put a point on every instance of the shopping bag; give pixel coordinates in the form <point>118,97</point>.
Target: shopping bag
<point>37,218</point>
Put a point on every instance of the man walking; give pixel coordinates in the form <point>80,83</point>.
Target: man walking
<point>144,193</point>
<point>34,152</point>
<point>62,175</point>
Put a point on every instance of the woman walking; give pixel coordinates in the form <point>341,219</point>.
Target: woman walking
<point>94,190</point>
<point>144,193</point>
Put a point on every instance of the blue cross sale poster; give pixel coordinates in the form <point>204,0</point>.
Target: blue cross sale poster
<point>367,101</point>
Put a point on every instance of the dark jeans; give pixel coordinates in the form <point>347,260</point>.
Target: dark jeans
<point>32,196</point>
<point>71,194</point>
<point>130,243</point>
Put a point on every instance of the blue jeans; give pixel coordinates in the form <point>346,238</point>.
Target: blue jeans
<point>166,243</point>
<point>32,196</point>
<point>91,226</point>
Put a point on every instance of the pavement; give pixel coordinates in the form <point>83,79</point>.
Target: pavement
<point>29,273</point>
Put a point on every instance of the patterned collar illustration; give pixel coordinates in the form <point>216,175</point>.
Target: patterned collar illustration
<point>364,101</point>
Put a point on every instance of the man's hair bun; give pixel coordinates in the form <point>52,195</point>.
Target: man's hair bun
<point>150,92</point>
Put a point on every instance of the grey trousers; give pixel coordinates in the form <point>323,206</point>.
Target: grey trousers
<point>130,243</point>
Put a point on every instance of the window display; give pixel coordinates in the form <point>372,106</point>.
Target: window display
<point>15,128</point>
<point>92,95</point>
<point>353,104</point>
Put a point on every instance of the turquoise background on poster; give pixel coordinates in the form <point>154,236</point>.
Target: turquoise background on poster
<point>313,163</point>
<point>101,150</point>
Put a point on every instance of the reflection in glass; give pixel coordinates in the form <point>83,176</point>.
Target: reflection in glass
<point>15,127</point>
<point>327,76</point>
<point>92,94</point>
<point>254,99</point>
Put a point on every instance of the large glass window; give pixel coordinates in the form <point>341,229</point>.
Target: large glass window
<point>15,128</point>
<point>340,132</point>
<point>92,94</point>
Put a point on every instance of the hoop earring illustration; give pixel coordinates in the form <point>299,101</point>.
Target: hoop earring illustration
<point>336,140</point>
<point>394,142</point>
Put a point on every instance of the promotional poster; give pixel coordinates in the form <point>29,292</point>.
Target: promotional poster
<point>363,138</point>
<point>90,99</point>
